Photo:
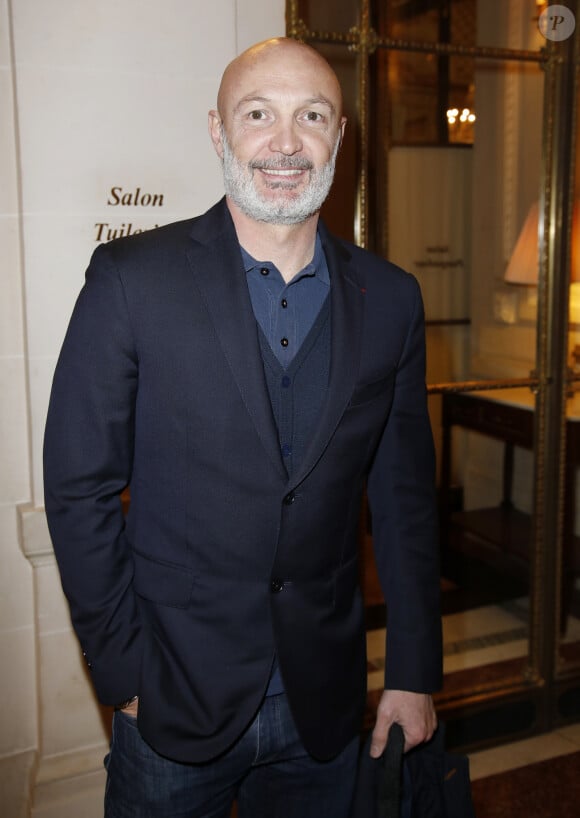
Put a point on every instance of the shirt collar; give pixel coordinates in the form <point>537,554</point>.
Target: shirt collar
<point>316,268</point>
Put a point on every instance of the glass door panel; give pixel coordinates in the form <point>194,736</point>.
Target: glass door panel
<point>452,117</point>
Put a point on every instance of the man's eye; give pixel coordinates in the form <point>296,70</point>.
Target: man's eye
<point>313,116</point>
<point>256,115</point>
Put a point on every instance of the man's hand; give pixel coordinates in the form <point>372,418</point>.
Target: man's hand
<point>132,708</point>
<point>415,713</point>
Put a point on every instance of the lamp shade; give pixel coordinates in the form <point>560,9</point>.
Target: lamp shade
<point>524,264</point>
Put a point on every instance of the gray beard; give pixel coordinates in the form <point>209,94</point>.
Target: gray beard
<point>239,186</point>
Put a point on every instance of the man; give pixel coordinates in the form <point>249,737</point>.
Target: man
<point>245,372</point>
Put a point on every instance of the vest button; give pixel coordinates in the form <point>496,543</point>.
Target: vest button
<point>289,499</point>
<point>276,586</point>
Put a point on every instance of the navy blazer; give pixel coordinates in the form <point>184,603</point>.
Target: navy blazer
<point>222,559</point>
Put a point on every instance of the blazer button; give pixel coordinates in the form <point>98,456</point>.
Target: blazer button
<point>289,499</point>
<point>276,586</point>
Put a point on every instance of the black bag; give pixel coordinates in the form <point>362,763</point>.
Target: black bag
<point>427,782</point>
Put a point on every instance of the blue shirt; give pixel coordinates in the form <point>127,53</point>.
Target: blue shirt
<point>286,312</point>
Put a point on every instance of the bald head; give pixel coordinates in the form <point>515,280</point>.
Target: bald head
<point>281,57</point>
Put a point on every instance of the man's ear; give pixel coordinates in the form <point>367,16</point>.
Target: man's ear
<point>214,124</point>
<point>342,127</point>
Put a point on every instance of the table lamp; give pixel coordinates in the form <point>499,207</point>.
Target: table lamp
<point>524,264</point>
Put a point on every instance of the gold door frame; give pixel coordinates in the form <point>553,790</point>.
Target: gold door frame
<point>551,378</point>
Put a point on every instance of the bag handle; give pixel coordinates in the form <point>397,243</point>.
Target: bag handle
<point>389,786</point>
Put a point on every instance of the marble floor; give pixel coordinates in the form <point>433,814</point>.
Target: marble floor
<point>472,638</point>
<point>560,742</point>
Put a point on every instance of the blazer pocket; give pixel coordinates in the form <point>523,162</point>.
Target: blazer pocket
<point>161,582</point>
<point>369,391</point>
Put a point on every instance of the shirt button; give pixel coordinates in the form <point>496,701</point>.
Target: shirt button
<point>264,271</point>
<point>289,499</point>
<point>286,450</point>
<point>284,303</point>
<point>284,342</point>
<point>286,381</point>
<point>276,586</point>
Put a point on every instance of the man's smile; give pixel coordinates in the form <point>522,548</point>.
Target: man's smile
<point>285,172</point>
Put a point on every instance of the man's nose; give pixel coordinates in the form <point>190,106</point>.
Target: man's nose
<point>286,138</point>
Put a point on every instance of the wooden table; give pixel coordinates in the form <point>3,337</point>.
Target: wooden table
<point>502,535</point>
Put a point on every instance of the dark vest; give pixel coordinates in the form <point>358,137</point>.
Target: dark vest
<point>297,392</point>
<point>296,395</point>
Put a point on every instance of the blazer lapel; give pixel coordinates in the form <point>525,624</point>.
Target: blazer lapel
<point>219,274</point>
<point>346,305</point>
<point>216,263</point>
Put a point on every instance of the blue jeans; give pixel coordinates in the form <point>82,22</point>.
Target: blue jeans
<point>267,771</point>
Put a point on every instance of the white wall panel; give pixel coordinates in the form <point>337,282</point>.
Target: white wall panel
<point>112,95</point>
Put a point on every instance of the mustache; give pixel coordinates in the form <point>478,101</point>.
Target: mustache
<point>286,163</point>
